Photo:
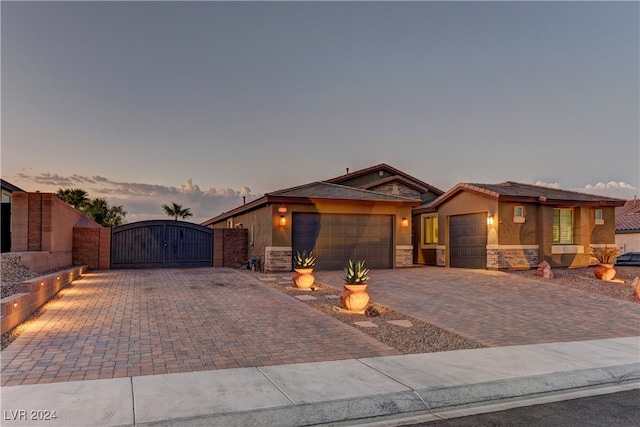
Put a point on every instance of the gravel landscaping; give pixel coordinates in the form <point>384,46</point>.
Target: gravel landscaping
<point>421,337</point>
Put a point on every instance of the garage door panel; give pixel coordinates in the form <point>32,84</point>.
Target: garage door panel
<point>341,237</point>
<point>468,240</point>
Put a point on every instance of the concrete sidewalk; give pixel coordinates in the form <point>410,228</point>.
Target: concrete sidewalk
<point>354,391</point>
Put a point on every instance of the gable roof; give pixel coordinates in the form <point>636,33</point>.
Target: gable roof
<point>316,191</point>
<point>528,193</point>
<point>396,175</point>
<point>628,217</point>
<point>326,190</point>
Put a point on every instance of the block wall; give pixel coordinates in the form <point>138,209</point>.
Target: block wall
<point>229,246</point>
<point>32,294</point>
<point>43,229</point>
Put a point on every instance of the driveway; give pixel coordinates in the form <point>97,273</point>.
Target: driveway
<point>498,309</point>
<point>122,323</point>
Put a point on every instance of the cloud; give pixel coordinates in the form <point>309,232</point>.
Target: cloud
<point>617,189</point>
<point>143,201</point>
<point>548,184</point>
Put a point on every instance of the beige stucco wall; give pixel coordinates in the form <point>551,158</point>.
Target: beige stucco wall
<point>630,242</point>
<point>269,234</point>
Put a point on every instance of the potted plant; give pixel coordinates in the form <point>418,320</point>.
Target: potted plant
<point>605,258</point>
<point>354,297</point>
<point>304,263</point>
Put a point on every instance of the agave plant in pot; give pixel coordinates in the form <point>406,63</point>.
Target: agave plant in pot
<point>354,297</point>
<point>304,263</point>
<point>605,257</point>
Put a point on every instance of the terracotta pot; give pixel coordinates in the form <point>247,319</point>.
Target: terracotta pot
<point>604,272</point>
<point>354,297</point>
<point>303,278</point>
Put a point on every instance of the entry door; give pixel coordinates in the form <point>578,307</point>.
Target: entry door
<point>468,241</point>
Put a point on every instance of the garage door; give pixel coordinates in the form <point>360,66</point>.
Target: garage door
<point>337,238</point>
<point>468,241</point>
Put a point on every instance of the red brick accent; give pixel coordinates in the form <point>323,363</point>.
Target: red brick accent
<point>47,231</point>
<point>230,246</point>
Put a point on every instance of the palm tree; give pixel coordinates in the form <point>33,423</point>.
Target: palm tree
<point>176,211</point>
<point>75,197</point>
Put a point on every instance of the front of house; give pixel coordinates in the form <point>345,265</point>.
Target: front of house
<point>391,219</point>
<point>514,226</point>
<point>336,222</point>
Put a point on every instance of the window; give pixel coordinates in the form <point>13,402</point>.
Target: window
<point>563,226</point>
<point>598,217</point>
<point>430,228</point>
<point>518,214</point>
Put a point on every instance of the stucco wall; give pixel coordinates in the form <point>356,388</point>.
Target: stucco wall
<point>269,237</point>
<point>44,228</point>
<point>630,241</point>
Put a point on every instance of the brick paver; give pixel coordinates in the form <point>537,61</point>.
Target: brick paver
<point>122,323</point>
<point>497,309</point>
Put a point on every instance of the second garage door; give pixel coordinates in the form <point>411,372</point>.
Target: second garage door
<point>336,238</point>
<point>468,245</point>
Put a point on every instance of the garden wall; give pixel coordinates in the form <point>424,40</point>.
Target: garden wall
<point>32,294</point>
<point>52,235</point>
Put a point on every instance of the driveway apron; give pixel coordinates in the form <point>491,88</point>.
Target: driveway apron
<point>496,308</point>
<point>124,323</point>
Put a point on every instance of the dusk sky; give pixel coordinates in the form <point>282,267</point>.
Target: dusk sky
<point>201,103</point>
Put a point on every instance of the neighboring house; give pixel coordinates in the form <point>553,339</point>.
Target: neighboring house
<point>361,215</point>
<point>628,226</point>
<point>7,190</point>
<point>514,226</point>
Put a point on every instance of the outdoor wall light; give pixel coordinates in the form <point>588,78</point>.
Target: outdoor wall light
<point>282,209</point>
<point>405,222</point>
<point>490,220</point>
<point>283,220</point>
<point>57,277</point>
<point>15,304</point>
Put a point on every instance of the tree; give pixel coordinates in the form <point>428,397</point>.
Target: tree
<point>100,211</point>
<point>97,209</point>
<point>177,211</point>
<point>76,197</point>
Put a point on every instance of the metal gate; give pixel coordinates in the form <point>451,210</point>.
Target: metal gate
<point>161,244</point>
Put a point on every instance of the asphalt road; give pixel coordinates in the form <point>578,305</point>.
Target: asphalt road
<point>608,410</point>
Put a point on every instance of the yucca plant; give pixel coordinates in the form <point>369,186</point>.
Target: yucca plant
<point>356,273</point>
<point>304,260</point>
<point>606,255</point>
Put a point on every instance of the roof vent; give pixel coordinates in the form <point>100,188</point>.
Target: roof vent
<point>347,171</point>
<point>381,173</point>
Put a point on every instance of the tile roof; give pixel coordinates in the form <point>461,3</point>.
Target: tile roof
<point>396,174</point>
<point>325,190</point>
<point>527,192</point>
<point>628,216</point>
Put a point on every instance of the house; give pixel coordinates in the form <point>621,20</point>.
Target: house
<point>628,226</point>
<point>513,226</point>
<point>360,215</point>
<point>7,191</point>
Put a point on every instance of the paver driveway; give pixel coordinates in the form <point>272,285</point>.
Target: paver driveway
<point>124,323</point>
<point>496,309</point>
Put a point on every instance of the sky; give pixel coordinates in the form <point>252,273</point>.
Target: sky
<point>204,103</point>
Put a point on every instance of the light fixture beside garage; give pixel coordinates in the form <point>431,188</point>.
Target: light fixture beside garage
<point>405,222</point>
<point>490,220</point>
<point>283,220</point>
